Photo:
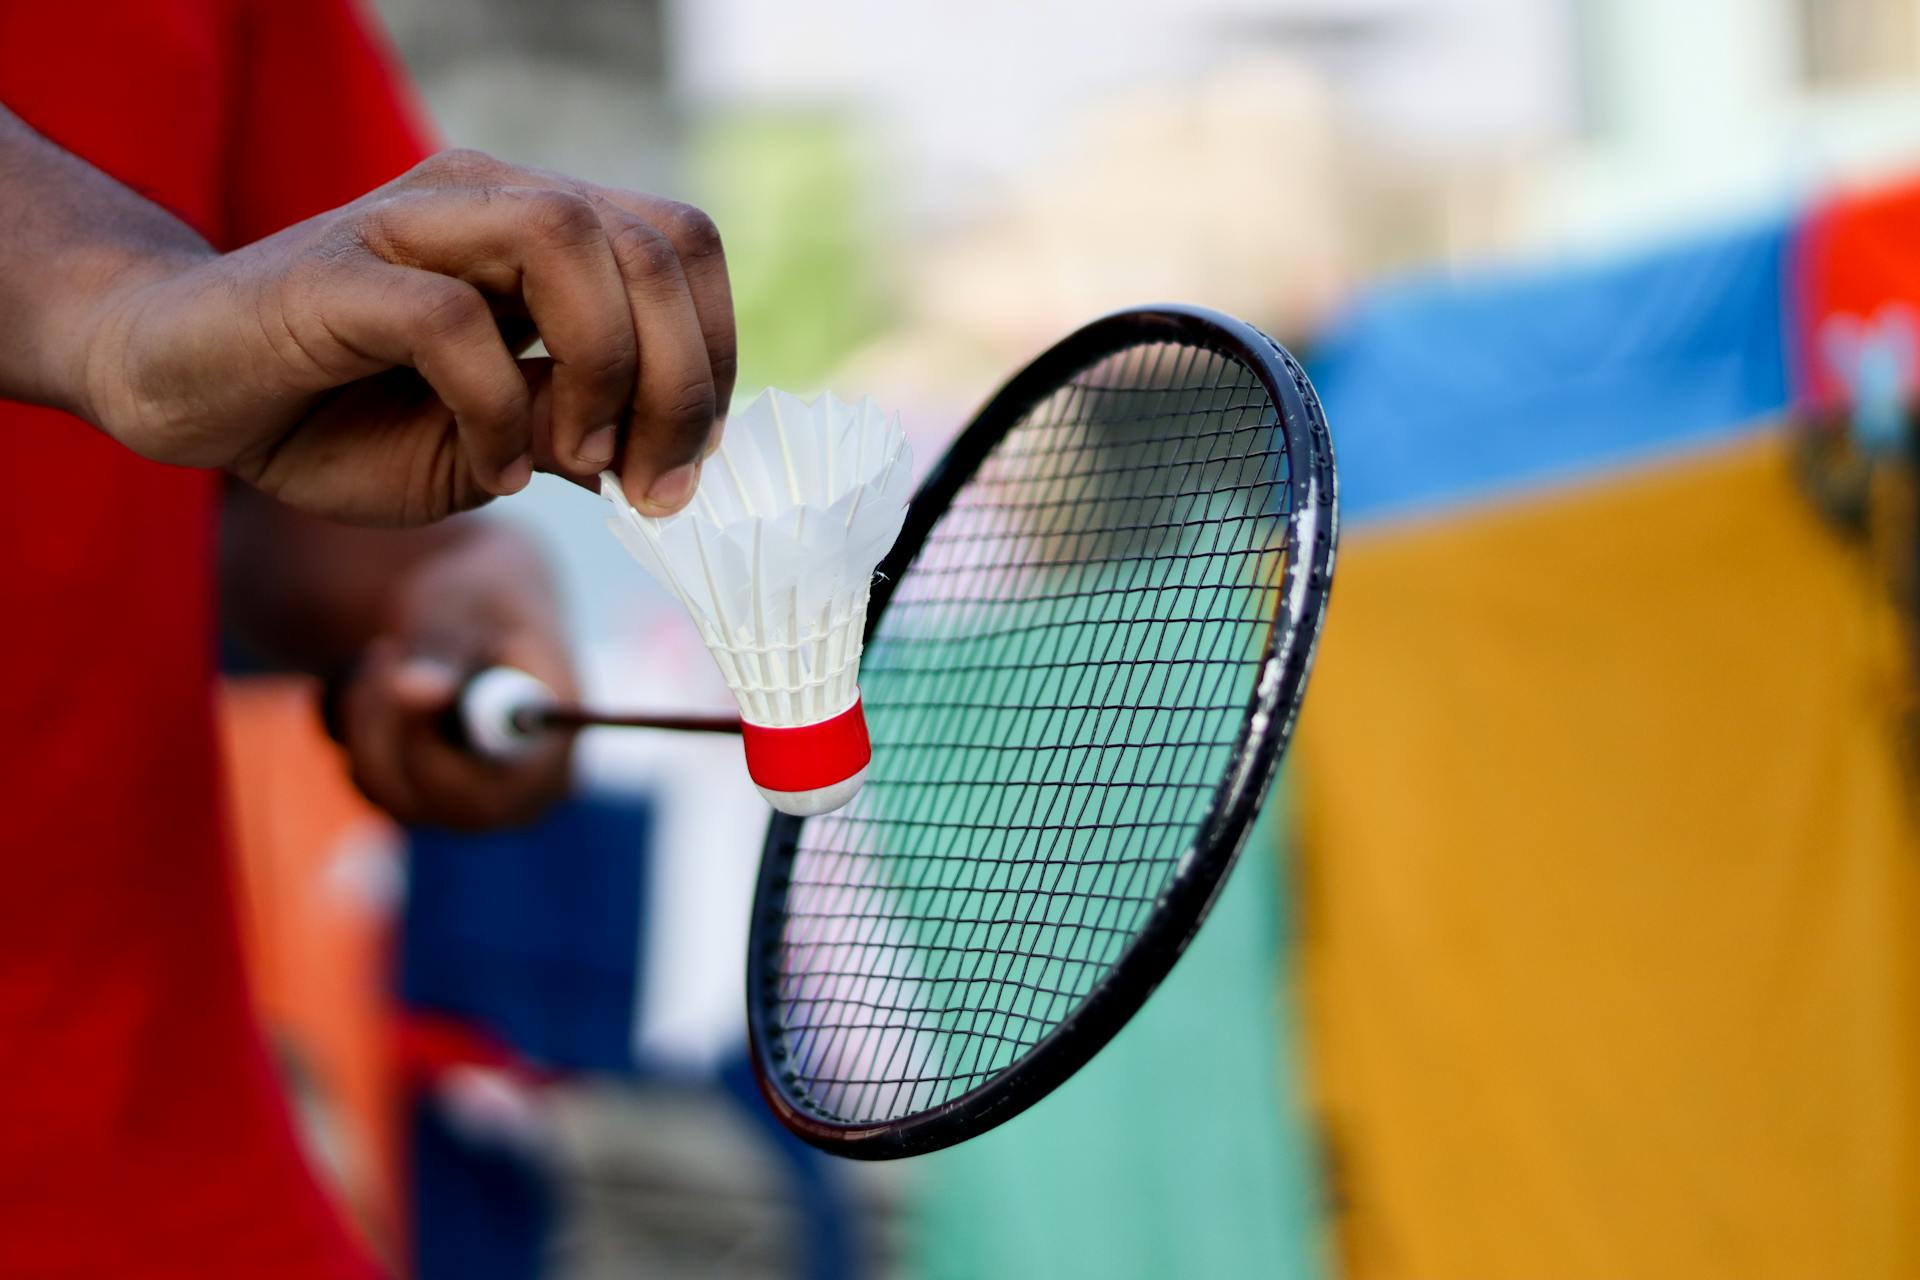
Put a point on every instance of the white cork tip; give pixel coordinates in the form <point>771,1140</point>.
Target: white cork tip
<point>811,804</point>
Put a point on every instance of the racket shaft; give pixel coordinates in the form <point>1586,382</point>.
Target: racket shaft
<point>544,719</point>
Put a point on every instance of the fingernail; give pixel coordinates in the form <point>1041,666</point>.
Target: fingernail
<point>673,489</point>
<point>596,451</point>
<point>515,475</point>
<point>424,679</point>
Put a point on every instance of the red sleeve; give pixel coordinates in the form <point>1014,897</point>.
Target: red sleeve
<point>323,113</point>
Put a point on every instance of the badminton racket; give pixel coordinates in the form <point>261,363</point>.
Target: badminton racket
<point>1084,659</point>
<point>1083,662</point>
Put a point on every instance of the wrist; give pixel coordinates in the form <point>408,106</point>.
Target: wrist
<point>73,242</point>
<point>101,382</point>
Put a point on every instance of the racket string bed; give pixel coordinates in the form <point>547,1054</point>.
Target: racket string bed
<point>981,1037</point>
<point>1101,592</point>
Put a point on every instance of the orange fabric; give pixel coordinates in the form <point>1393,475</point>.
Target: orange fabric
<point>1611,896</point>
<point>318,869</point>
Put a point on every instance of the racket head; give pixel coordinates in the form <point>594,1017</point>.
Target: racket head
<point>873,1033</point>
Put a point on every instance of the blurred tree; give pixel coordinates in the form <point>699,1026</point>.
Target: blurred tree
<point>791,195</point>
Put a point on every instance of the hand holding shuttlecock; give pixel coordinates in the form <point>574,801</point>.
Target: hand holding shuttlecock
<point>773,559</point>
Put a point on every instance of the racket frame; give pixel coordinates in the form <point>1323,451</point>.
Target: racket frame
<point>1313,533</point>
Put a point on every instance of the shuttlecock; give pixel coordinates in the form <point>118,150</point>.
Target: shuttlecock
<point>773,558</point>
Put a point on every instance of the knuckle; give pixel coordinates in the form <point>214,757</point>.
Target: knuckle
<point>618,361</point>
<point>687,416</point>
<point>458,164</point>
<point>499,414</point>
<point>692,231</point>
<point>378,222</point>
<point>644,253</point>
<point>448,308</point>
<point>554,214</point>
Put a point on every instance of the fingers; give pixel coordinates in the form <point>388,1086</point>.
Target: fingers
<point>483,599</point>
<point>703,261</point>
<point>373,731</point>
<point>675,403</point>
<point>446,331</point>
<point>402,760</point>
<point>464,792</point>
<point>548,248</point>
<point>629,292</point>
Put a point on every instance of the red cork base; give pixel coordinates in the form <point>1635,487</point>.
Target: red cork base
<point>810,756</point>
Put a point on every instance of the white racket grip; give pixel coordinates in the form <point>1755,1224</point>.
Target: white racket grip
<point>488,704</point>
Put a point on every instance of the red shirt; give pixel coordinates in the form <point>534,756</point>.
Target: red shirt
<point>142,1133</point>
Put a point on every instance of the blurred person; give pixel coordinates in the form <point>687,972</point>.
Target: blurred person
<point>233,290</point>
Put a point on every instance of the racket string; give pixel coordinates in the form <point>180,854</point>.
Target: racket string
<point>1110,571</point>
<point>995,955</point>
<point>1001,977</point>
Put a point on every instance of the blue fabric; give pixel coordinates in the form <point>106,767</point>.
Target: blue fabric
<point>480,1213</point>
<point>1447,390</point>
<point>535,934</point>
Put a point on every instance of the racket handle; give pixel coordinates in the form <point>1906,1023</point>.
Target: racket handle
<point>496,713</point>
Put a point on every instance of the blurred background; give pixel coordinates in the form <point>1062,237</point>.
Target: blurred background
<point>1580,939</point>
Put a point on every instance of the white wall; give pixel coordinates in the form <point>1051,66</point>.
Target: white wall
<point>966,94</point>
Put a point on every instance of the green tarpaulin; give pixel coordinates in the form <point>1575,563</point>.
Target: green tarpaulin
<point>1179,1152</point>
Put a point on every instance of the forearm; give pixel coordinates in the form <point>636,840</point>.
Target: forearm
<point>306,593</point>
<point>69,236</point>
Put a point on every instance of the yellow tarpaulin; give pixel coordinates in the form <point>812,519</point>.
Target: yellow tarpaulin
<point>1611,908</point>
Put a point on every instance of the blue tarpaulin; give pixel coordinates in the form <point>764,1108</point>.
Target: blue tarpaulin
<point>534,935</point>
<point>1447,390</point>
